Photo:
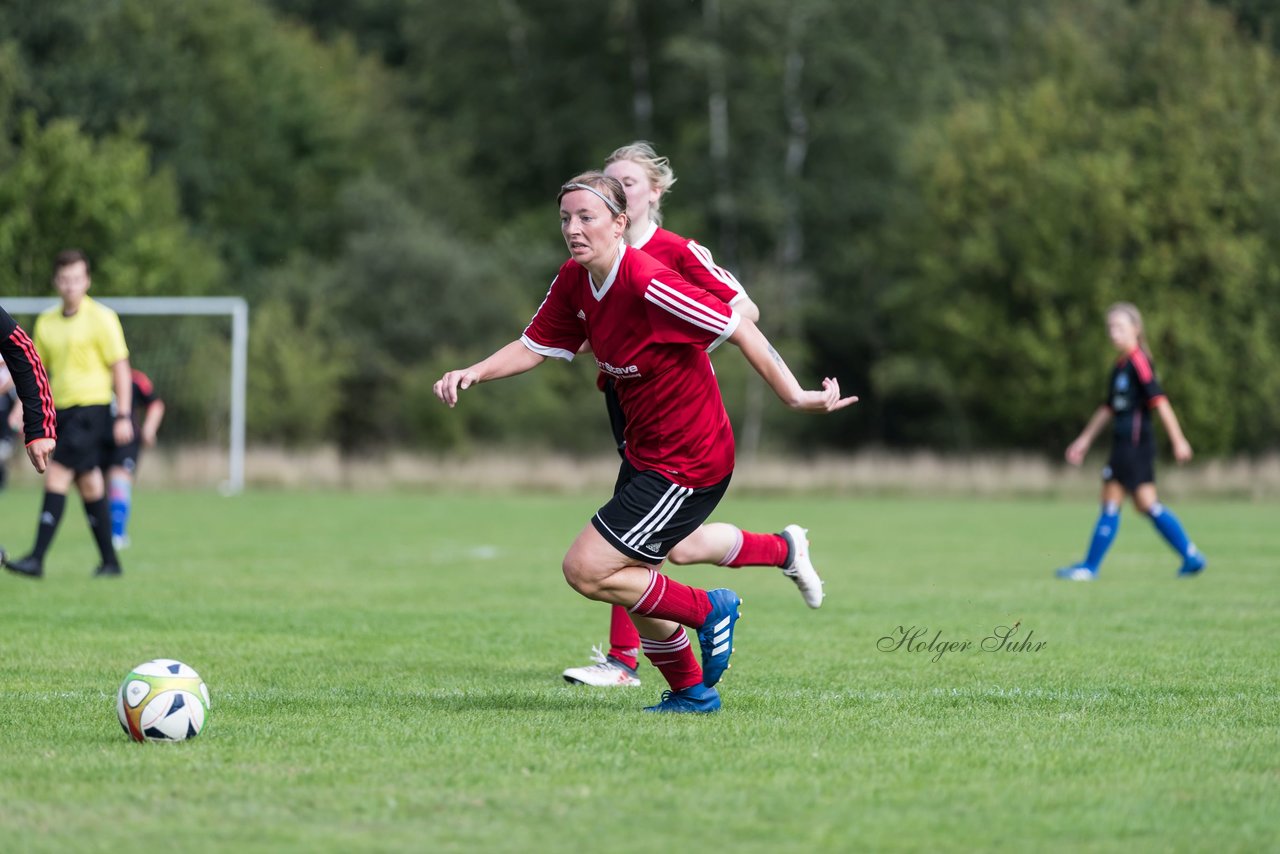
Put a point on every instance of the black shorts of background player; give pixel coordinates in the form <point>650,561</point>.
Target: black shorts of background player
<point>122,461</point>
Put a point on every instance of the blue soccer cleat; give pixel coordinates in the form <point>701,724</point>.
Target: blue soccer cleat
<point>1192,565</point>
<point>1078,572</point>
<point>696,699</point>
<point>716,635</point>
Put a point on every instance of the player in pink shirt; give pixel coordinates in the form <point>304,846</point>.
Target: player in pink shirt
<point>650,330</point>
<point>646,177</point>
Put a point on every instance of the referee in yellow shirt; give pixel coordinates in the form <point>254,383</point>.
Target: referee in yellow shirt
<point>82,346</point>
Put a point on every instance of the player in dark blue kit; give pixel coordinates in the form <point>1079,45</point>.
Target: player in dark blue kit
<point>1133,393</point>
<point>122,467</point>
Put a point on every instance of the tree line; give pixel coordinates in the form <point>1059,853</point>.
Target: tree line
<point>933,201</point>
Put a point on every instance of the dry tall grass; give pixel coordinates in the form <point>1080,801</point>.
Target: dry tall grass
<point>869,472</point>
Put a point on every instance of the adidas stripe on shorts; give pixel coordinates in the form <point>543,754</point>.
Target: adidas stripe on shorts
<point>649,514</point>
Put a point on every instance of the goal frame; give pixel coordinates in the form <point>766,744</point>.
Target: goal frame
<point>234,307</point>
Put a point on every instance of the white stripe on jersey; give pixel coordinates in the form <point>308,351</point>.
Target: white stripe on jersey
<point>729,330</point>
<point>685,308</point>
<point>703,254</point>
<point>543,350</point>
<point>648,235</point>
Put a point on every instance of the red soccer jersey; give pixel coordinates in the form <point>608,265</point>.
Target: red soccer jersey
<point>650,330</point>
<point>692,261</point>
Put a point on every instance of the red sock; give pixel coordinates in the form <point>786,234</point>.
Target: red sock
<point>757,550</point>
<point>624,640</point>
<point>674,658</point>
<point>668,599</point>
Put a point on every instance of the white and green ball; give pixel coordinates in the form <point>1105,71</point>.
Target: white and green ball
<point>162,700</point>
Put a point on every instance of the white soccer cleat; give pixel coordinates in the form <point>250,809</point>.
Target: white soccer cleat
<point>607,672</point>
<point>800,569</point>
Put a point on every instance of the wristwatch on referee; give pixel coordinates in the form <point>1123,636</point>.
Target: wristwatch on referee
<point>124,416</point>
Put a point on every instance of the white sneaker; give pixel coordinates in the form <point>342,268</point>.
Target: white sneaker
<point>800,569</point>
<point>119,542</point>
<point>605,673</point>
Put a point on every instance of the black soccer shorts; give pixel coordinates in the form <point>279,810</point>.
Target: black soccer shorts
<point>649,514</point>
<point>125,456</point>
<point>1131,465</point>
<point>84,437</point>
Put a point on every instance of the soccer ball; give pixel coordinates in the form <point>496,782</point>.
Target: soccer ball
<point>162,700</point>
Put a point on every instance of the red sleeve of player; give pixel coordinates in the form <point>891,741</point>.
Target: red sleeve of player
<point>144,391</point>
<point>681,313</point>
<point>555,331</point>
<point>1146,371</point>
<point>699,268</point>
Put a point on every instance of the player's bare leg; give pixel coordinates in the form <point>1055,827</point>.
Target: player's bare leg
<point>661,607</point>
<point>728,545</point>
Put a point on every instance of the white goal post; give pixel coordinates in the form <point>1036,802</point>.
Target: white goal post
<point>234,307</point>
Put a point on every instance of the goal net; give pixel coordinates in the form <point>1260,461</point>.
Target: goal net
<point>195,351</point>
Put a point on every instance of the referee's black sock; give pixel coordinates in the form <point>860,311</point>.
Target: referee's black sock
<point>50,516</point>
<point>99,514</point>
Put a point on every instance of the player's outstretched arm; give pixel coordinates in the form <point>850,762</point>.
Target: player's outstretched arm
<point>746,307</point>
<point>769,365</point>
<point>1077,449</point>
<point>515,358</point>
<point>1181,447</point>
<point>151,423</point>
<point>122,375</point>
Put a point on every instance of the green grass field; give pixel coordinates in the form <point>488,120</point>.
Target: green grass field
<point>385,676</point>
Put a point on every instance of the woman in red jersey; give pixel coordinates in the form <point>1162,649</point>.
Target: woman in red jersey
<point>28,376</point>
<point>1133,392</point>
<point>32,383</point>
<point>650,330</point>
<point>646,178</point>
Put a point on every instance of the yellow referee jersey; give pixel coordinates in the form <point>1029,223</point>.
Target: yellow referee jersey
<point>78,352</point>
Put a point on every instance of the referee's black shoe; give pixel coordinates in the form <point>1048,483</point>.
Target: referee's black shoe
<point>30,566</point>
<point>108,570</point>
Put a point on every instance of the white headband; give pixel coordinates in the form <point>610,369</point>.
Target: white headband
<point>611,205</point>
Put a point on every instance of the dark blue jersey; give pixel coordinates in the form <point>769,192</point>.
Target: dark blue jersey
<point>1131,394</point>
<point>144,394</point>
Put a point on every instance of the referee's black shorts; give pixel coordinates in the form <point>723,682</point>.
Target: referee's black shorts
<point>649,514</point>
<point>1131,465</point>
<point>84,437</point>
